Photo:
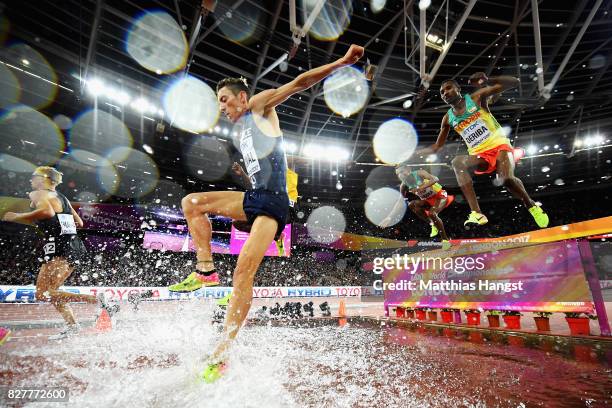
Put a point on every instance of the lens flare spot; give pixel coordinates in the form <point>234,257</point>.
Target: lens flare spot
<point>332,20</point>
<point>346,91</point>
<point>244,24</point>
<point>395,141</point>
<point>377,5</point>
<point>157,43</point>
<point>12,163</point>
<point>136,171</point>
<point>385,207</point>
<point>207,158</point>
<point>326,224</point>
<point>82,175</point>
<point>30,135</point>
<point>9,87</point>
<point>191,105</point>
<point>37,79</point>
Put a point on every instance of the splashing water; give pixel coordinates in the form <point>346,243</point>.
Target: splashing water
<point>152,358</point>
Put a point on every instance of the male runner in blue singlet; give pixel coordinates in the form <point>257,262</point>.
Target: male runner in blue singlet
<point>265,205</point>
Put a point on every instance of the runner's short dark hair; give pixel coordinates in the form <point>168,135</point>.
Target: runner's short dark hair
<point>236,85</point>
<point>452,81</point>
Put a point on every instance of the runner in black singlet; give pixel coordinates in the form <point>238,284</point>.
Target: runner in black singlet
<point>57,221</point>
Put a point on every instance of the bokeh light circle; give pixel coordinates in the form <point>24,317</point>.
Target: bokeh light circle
<point>12,163</point>
<point>191,105</point>
<point>244,23</point>
<point>332,21</point>
<point>89,158</point>
<point>157,42</point>
<point>108,179</point>
<point>385,207</point>
<point>346,91</point>
<point>30,135</point>
<point>207,158</point>
<point>62,121</point>
<point>37,79</point>
<point>98,132</point>
<point>326,224</point>
<point>81,176</point>
<point>597,61</point>
<point>382,176</point>
<point>395,141</point>
<point>377,5</point>
<point>137,172</point>
<point>9,87</point>
<point>167,194</point>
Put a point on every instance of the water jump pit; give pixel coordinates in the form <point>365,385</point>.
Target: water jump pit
<point>152,356</point>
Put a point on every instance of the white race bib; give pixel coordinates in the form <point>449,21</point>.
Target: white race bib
<point>475,134</point>
<point>248,153</point>
<point>67,224</point>
<point>49,248</point>
<point>427,193</point>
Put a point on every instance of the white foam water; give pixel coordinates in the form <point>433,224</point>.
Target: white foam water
<point>152,358</point>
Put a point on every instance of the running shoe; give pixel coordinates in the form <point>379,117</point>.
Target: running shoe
<point>4,335</point>
<point>224,301</point>
<point>194,282</point>
<point>213,372</point>
<point>434,231</point>
<point>280,246</point>
<point>208,280</point>
<point>112,309</point>
<point>540,217</point>
<point>476,218</point>
<point>69,331</point>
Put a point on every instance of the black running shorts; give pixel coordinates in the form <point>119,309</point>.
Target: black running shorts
<point>264,202</point>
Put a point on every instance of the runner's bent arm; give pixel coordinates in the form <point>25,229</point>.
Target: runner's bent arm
<point>44,210</point>
<point>269,99</point>
<point>239,171</point>
<point>495,85</point>
<point>427,176</point>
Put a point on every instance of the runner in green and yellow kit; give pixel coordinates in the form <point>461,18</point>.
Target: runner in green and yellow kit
<point>489,149</point>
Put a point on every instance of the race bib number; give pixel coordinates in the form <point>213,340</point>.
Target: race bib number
<point>426,194</point>
<point>67,224</point>
<point>248,153</point>
<point>475,134</point>
<point>49,248</point>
